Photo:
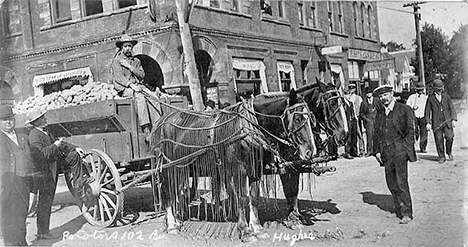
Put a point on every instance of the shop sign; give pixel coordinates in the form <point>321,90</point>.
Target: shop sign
<point>363,55</point>
<point>332,50</point>
<point>380,65</point>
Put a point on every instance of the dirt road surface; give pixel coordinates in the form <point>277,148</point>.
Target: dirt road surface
<point>352,208</point>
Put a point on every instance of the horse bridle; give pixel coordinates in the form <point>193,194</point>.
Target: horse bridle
<point>329,125</point>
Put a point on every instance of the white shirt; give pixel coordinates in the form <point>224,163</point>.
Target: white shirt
<point>419,101</point>
<point>389,108</point>
<point>357,100</point>
<point>12,136</point>
<point>438,97</point>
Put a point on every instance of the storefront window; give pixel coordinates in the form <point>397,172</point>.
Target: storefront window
<point>250,77</point>
<point>353,70</point>
<point>286,76</point>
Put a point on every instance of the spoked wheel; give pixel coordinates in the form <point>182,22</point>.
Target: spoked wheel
<point>103,204</point>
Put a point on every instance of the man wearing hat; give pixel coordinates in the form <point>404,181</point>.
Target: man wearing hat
<point>368,112</point>
<point>15,170</point>
<point>417,102</point>
<point>441,117</point>
<point>49,155</point>
<point>127,74</point>
<point>394,147</point>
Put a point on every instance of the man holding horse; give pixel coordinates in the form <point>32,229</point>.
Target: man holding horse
<point>394,147</point>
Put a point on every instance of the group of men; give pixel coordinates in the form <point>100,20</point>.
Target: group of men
<point>30,162</point>
<point>396,128</point>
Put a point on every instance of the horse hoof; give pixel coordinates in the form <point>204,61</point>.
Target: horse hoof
<point>173,231</point>
<point>249,239</point>
<point>262,235</point>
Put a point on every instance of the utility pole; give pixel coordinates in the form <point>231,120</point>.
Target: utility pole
<point>417,17</point>
<point>189,57</point>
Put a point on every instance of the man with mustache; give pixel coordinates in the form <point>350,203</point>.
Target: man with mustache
<point>128,74</point>
<point>394,147</point>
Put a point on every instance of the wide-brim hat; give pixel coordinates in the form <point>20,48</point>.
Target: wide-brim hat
<point>382,89</point>
<point>125,38</point>
<point>352,85</point>
<point>6,111</point>
<point>33,116</point>
<point>438,84</point>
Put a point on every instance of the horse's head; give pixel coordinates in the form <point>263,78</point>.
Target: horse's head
<point>295,126</point>
<point>299,121</point>
<point>326,103</point>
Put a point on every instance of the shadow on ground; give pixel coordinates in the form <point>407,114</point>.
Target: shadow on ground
<point>428,157</point>
<point>384,202</point>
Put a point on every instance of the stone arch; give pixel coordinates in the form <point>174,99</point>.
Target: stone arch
<point>206,44</point>
<point>151,51</point>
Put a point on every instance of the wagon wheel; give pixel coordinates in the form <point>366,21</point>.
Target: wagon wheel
<point>103,210</point>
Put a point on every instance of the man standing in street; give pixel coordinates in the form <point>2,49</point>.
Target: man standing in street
<point>351,149</point>
<point>368,112</point>
<point>417,102</point>
<point>128,74</point>
<point>15,171</point>
<point>393,147</point>
<point>440,112</point>
<point>357,101</point>
<point>50,155</point>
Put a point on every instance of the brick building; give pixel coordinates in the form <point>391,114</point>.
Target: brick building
<point>241,46</point>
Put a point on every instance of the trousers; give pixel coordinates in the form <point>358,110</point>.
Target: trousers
<point>440,134</point>
<point>396,176</point>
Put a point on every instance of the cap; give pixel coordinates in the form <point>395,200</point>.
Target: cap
<point>438,84</point>
<point>383,89</point>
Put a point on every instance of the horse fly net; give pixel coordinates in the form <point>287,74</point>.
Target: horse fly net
<point>208,158</point>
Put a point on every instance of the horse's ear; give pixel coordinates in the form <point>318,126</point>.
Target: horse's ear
<point>321,84</point>
<point>292,97</point>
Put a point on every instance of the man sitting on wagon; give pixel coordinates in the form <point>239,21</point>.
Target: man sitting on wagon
<point>128,74</point>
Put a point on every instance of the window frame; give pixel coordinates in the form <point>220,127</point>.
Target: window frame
<point>363,21</point>
<point>83,9</point>
<point>54,9</point>
<point>313,16</point>
<point>340,17</point>
<point>369,20</point>
<point>330,16</point>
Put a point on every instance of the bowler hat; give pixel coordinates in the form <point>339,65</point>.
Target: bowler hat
<point>33,116</point>
<point>419,85</point>
<point>383,89</point>
<point>438,84</point>
<point>6,112</point>
<point>125,38</point>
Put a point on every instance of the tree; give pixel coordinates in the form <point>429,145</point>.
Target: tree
<point>393,46</point>
<point>457,71</point>
<point>435,52</point>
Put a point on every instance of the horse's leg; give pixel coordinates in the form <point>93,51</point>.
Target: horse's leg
<point>173,224</point>
<point>254,220</point>
<point>245,232</point>
<point>290,183</point>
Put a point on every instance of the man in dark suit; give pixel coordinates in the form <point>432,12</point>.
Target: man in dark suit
<point>368,113</point>
<point>439,108</point>
<point>351,147</point>
<point>15,171</point>
<point>393,147</point>
<point>49,155</point>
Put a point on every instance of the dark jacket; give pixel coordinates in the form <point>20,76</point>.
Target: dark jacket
<point>368,112</point>
<point>13,158</point>
<point>440,112</point>
<point>403,119</point>
<point>45,153</point>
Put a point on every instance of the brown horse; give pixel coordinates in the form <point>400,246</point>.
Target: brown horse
<point>228,146</point>
<point>325,101</point>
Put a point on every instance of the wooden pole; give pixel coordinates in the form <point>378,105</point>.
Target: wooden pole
<point>189,57</point>
<point>417,17</point>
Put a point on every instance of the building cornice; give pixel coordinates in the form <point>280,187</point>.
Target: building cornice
<point>47,51</point>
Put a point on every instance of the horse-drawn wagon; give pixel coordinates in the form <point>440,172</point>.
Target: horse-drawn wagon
<point>119,157</point>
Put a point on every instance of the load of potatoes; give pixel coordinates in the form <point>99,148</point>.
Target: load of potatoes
<point>76,95</point>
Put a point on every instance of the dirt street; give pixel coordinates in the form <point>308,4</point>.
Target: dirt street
<point>353,208</point>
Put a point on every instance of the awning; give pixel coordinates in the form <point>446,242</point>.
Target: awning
<point>54,77</point>
<point>250,65</point>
